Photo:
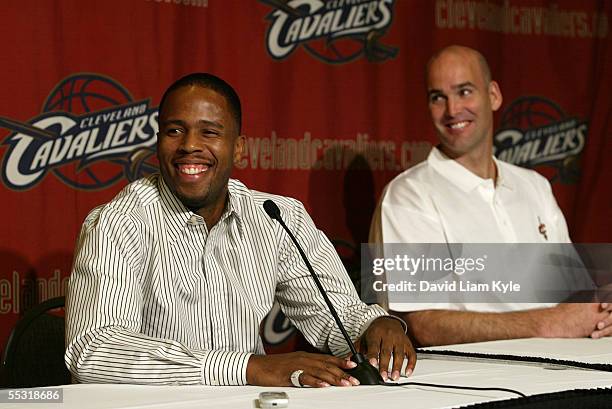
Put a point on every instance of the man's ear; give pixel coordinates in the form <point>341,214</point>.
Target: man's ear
<point>495,95</point>
<point>239,148</point>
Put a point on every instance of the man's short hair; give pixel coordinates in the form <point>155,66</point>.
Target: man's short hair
<point>212,82</point>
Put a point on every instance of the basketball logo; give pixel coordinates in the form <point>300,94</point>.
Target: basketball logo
<point>535,132</point>
<point>90,134</point>
<point>334,32</point>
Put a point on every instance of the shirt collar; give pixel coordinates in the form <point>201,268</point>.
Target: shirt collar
<point>460,175</point>
<point>502,177</point>
<point>235,205</point>
<point>178,217</point>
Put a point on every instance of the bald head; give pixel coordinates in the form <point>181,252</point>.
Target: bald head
<point>462,52</point>
<point>462,98</point>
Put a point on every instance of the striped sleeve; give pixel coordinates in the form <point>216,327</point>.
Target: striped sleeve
<point>298,295</point>
<point>104,337</point>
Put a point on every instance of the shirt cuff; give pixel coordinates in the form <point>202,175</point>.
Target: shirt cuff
<point>367,324</point>
<point>225,367</point>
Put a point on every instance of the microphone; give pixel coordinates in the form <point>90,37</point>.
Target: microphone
<point>364,371</point>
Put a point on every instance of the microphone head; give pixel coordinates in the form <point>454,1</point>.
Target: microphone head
<point>272,209</point>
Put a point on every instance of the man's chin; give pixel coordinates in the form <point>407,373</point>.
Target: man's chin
<point>192,202</point>
<point>458,147</point>
<point>451,151</point>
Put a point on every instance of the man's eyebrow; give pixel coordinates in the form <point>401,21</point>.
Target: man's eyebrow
<point>172,121</point>
<point>464,84</point>
<point>434,91</point>
<point>182,123</point>
<point>211,123</point>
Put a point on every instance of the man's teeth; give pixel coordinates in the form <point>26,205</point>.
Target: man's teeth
<point>459,125</point>
<point>193,170</point>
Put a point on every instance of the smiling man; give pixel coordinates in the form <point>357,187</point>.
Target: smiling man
<point>173,277</point>
<point>462,194</point>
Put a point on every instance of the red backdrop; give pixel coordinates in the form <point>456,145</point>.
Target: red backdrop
<point>333,101</point>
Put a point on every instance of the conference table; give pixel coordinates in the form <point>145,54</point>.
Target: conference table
<point>530,366</point>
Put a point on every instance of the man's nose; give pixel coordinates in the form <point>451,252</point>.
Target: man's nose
<point>453,107</point>
<point>190,142</point>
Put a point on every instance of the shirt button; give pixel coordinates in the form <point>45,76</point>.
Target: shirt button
<point>193,219</point>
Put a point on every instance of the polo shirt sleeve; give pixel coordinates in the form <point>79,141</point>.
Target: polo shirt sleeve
<point>408,214</point>
<point>553,213</point>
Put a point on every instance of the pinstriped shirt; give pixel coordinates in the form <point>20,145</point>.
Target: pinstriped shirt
<point>156,298</point>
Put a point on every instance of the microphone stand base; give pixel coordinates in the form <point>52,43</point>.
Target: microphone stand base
<point>366,374</point>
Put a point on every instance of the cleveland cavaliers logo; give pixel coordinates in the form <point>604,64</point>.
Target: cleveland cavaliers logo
<point>91,133</point>
<point>535,132</point>
<point>333,31</point>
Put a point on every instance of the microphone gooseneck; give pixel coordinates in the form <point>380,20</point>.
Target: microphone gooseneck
<point>364,371</point>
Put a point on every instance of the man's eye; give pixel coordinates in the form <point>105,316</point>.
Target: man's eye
<point>464,92</point>
<point>433,98</point>
<point>210,132</point>
<point>173,131</point>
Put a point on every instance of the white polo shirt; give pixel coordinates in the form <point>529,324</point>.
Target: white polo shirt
<point>440,201</point>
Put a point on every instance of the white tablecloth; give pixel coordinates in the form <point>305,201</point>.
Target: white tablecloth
<point>528,379</point>
<point>587,350</point>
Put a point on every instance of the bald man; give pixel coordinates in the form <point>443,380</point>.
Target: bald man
<point>462,194</point>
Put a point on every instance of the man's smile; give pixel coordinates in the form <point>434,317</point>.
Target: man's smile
<point>458,125</point>
<point>192,169</point>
